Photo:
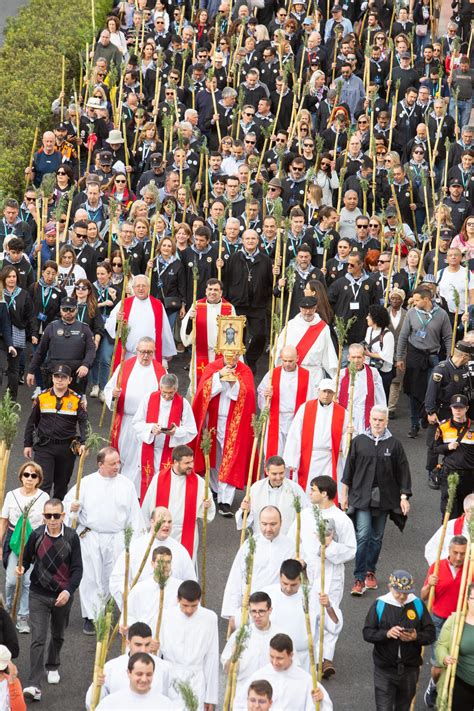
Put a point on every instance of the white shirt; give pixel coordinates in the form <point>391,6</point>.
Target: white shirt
<point>142,323</point>
<point>15,503</point>
<point>448,281</point>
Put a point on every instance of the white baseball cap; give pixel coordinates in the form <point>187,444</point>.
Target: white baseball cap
<point>5,657</point>
<point>327,384</point>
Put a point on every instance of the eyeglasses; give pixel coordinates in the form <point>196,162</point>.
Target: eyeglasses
<point>81,287</point>
<point>68,309</point>
<point>56,516</point>
<point>383,261</point>
<point>148,353</point>
<point>120,180</point>
<point>248,113</point>
<point>61,172</point>
<point>116,264</point>
<point>308,145</point>
<point>297,170</point>
<point>374,224</point>
<point>27,199</point>
<point>81,235</point>
<point>258,613</point>
<point>30,475</point>
<point>281,140</point>
<point>362,227</point>
<point>252,143</point>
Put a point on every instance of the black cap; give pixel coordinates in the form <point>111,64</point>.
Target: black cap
<point>465,347</point>
<point>309,302</point>
<point>455,181</point>
<point>105,158</point>
<point>446,234</point>
<point>459,401</point>
<point>156,159</point>
<point>62,369</point>
<point>68,302</point>
<point>336,8</point>
<point>61,126</point>
<point>405,55</point>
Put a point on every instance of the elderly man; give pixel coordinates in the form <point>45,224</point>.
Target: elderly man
<point>311,337</point>
<point>46,160</point>
<point>316,437</point>
<point>273,490</point>
<point>139,377</point>
<point>374,486</point>
<point>162,421</point>
<point>161,525</point>
<point>107,505</point>
<point>368,389</point>
<point>272,548</point>
<point>144,316</point>
<point>181,491</point>
<point>456,527</point>
<point>289,388</point>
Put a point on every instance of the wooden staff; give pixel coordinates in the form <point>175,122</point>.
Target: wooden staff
<point>63,80</point>
<point>309,634</point>
<point>32,154</point>
<point>290,282</point>
<point>321,532</point>
<point>352,373</point>
<point>438,235</point>
<point>466,296</point>
<point>206,186</point>
<point>92,443</point>
<point>394,113</point>
<point>102,625</point>
<point>297,508</point>
<point>390,269</point>
<point>127,536</point>
<point>195,272</point>
<point>220,226</point>
<point>206,445</point>
<point>278,216</point>
<point>161,578</point>
<point>420,263</point>
<point>127,160</point>
<point>342,328</point>
<point>9,418</point>
<point>457,305</point>
<point>453,482</point>
<point>257,425</point>
<point>392,54</point>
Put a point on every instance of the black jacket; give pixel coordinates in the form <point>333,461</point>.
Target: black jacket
<point>71,569</point>
<point>8,635</point>
<point>169,282</point>
<point>248,283</point>
<point>20,310</point>
<point>381,464</point>
<point>44,305</point>
<point>388,653</point>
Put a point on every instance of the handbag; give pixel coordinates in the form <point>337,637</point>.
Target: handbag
<point>171,303</point>
<point>377,363</point>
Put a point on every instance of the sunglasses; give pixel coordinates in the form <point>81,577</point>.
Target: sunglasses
<point>82,287</point>
<point>272,190</point>
<point>374,224</point>
<point>120,180</point>
<point>297,170</point>
<point>362,122</point>
<point>49,516</point>
<point>68,309</point>
<point>81,235</point>
<point>60,172</point>
<point>281,140</point>
<point>30,199</point>
<point>116,264</point>
<point>383,261</point>
<point>362,227</point>
<point>308,145</point>
<point>248,113</point>
<point>30,475</point>
<point>252,143</point>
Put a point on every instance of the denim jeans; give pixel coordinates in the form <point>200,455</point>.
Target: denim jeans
<point>101,368</point>
<point>369,536</point>
<point>464,112</point>
<point>10,584</point>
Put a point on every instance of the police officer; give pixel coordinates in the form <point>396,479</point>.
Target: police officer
<point>450,377</point>
<point>69,341</point>
<point>51,428</point>
<point>455,440</point>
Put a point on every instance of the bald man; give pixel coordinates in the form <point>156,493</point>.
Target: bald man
<point>289,388</point>
<point>181,566</point>
<point>46,160</point>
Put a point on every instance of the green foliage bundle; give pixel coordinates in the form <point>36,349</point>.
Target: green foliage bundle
<point>30,74</point>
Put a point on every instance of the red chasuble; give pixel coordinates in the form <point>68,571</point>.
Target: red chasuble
<point>157,307</point>
<point>239,434</point>
<point>202,345</point>
<point>369,400</point>
<point>309,339</point>
<point>126,371</point>
<point>274,419</point>
<point>163,488</point>
<point>148,450</point>
<point>458,525</point>
<point>307,438</point>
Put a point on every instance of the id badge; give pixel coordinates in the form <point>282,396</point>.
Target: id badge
<point>320,250</point>
<point>421,333</point>
<point>41,316</point>
<point>354,306</point>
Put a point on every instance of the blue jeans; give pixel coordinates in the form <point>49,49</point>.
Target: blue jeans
<point>172,318</point>
<point>101,367</point>
<point>369,536</point>
<point>464,112</point>
<point>10,584</point>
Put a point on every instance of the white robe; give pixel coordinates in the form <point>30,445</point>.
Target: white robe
<point>186,430</point>
<point>142,323</point>
<point>262,494</point>
<point>191,645</point>
<point>176,505</point>
<point>254,656</point>
<point>116,677</point>
<point>108,506</point>
<point>431,548</point>
<point>291,689</point>
<point>128,700</point>
<point>320,357</point>
<point>288,390</point>
<point>141,383</point>
<point>321,454</point>
<point>269,555</point>
<point>144,601</point>
<point>288,614</point>
<point>228,392</point>
<point>337,552</point>
<point>181,564</point>
<point>360,396</point>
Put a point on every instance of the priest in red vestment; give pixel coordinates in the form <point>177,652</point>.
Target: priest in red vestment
<point>225,404</point>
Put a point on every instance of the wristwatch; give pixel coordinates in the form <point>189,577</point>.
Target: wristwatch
<point>404,497</point>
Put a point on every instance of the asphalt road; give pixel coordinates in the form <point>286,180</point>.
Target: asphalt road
<point>353,680</point>
<point>8,8</point>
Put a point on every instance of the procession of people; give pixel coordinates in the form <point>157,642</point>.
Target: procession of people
<point>245,245</point>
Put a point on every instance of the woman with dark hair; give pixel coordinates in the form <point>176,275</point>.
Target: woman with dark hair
<point>107,294</point>
<point>64,182</point>
<point>168,280</point>
<point>20,310</point>
<point>380,344</point>
<point>120,192</point>
<point>324,308</point>
<point>88,311</point>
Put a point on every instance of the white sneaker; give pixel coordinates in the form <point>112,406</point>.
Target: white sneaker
<point>53,676</point>
<point>22,626</point>
<point>32,692</point>
<point>36,392</point>
<point>102,396</point>
<point>94,391</point>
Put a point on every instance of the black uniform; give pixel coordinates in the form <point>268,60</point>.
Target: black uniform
<point>72,344</point>
<point>50,429</point>
<point>301,280</point>
<point>350,297</point>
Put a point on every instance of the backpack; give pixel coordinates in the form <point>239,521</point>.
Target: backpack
<point>380,606</point>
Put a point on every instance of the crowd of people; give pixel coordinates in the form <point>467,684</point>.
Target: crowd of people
<point>279,197</point>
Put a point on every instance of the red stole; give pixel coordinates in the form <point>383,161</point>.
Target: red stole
<point>148,450</point>
<point>163,488</point>
<point>458,525</point>
<point>369,400</point>
<point>157,313</point>
<point>126,371</point>
<point>307,438</point>
<point>202,346</point>
<point>274,419</point>
<point>308,340</point>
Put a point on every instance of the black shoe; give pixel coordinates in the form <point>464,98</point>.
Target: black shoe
<point>214,496</point>
<point>413,433</point>
<point>21,379</point>
<point>433,480</point>
<point>88,627</point>
<point>224,510</point>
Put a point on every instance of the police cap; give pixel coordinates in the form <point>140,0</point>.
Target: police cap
<point>309,302</point>
<point>459,401</point>
<point>69,302</point>
<point>465,347</point>
<point>62,369</point>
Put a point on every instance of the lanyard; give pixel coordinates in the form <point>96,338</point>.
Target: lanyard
<point>421,319</point>
<point>45,301</point>
<point>356,293</point>
<point>81,312</point>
